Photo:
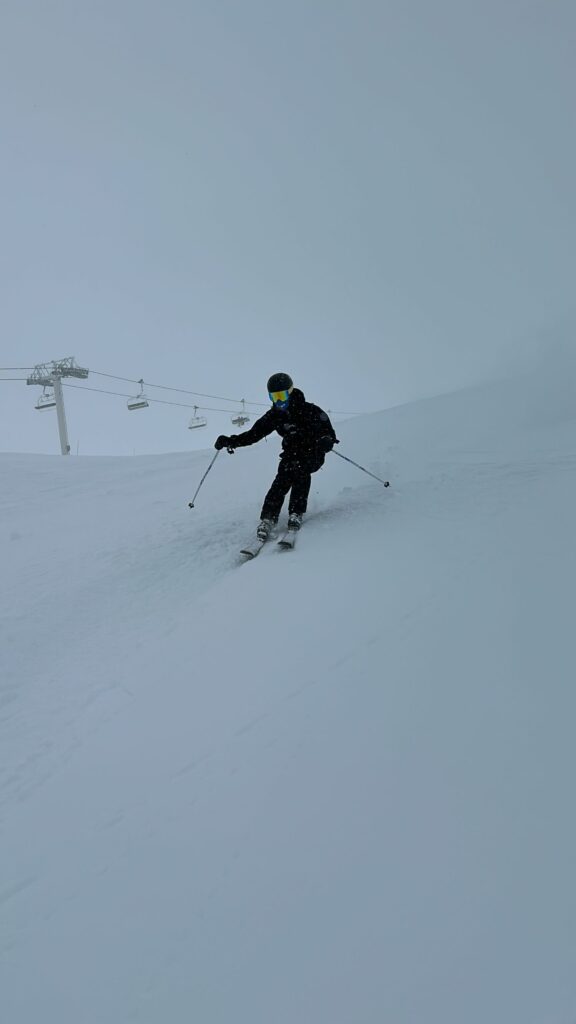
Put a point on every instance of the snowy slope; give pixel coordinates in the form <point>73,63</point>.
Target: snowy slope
<point>331,786</point>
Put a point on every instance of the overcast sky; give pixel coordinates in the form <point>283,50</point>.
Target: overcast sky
<point>374,195</point>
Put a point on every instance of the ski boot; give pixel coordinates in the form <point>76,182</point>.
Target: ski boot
<point>264,528</point>
<point>295,520</point>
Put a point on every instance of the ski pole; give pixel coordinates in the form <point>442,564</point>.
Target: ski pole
<point>212,461</point>
<point>340,456</point>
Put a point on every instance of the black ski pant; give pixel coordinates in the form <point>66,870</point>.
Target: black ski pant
<point>294,475</point>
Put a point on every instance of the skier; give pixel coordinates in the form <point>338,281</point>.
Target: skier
<point>307,435</point>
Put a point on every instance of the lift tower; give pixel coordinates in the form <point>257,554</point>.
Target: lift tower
<point>50,375</point>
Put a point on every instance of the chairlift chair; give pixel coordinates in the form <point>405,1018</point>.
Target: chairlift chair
<point>242,417</point>
<point>46,400</point>
<point>197,421</point>
<point>139,401</point>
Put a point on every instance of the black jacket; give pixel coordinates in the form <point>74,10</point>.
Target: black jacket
<point>300,426</point>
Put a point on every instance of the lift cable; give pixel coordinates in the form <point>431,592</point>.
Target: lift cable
<point>183,391</point>
<point>201,394</point>
<point>164,387</point>
<point>159,401</point>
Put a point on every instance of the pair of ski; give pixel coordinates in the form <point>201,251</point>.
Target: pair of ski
<point>285,542</point>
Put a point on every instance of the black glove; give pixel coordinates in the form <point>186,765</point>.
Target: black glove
<point>327,443</point>
<point>223,442</point>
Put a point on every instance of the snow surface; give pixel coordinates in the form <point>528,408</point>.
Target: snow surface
<point>330,786</point>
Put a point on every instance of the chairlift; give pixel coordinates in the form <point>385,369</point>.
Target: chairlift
<point>242,417</point>
<point>139,401</point>
<point>197,421</point>
<point>46,399</point>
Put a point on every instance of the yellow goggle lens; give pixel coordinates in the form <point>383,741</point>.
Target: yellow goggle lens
<point>280,396</point>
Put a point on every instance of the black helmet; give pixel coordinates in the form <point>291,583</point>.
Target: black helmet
<point>280,382</point>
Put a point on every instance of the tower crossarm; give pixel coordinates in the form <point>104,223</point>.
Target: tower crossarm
<point>44,373</point>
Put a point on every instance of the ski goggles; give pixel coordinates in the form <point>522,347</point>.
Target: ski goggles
<point>280,397</point>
